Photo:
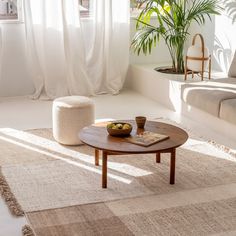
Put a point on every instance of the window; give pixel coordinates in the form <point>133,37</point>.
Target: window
<point>135,7</point>
<point>10,10</point>
<point>84,8</point>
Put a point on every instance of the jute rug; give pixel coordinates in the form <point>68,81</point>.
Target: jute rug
<point>59,188</point>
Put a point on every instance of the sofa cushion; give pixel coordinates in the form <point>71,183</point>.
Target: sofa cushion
<point>228,110</point>
<point>208,95</point>
<point>232,68</point>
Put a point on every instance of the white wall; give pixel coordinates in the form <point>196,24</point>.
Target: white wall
<point>14,77</point>
<point>220,38</point>
<point>159,54</point>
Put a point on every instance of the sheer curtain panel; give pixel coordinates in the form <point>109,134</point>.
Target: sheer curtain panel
<point>73,54</point>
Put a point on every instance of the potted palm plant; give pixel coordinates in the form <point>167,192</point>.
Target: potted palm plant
<point>171,20</point>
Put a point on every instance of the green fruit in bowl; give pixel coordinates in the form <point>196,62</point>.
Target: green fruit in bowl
<point>110,125</point>
<point>119,129</point>
<point>119,126</point>
<point>126,126</point>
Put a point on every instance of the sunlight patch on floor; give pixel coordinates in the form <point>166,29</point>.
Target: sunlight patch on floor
<point>84,166</point>
<point>128,169</point>
<point>60,149</point>
<point>208,149</point>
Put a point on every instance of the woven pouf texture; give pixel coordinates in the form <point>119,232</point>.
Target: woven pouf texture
<point>70,115</point>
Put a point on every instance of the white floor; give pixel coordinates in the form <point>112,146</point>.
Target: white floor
<point>23,113</point>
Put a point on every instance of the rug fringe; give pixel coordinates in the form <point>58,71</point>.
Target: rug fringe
<point>9,198</point>
<point>27,231</point>
<point>223,148</point>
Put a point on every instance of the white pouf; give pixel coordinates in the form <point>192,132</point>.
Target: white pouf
<point>70,115</point>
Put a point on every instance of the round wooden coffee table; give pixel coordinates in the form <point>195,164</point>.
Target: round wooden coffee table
<point>96,136</point>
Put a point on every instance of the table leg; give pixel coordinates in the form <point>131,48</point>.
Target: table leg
<point>96,157</point>
<point>104,169</point>
<point>172,166</point>
<point>158,157</point>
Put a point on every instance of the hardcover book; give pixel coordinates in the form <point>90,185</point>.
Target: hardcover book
<point>146,138</point>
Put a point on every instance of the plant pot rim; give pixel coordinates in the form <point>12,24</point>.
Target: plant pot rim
<point>167,70</point>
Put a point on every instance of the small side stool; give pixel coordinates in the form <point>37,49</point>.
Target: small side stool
<point>70,115</point>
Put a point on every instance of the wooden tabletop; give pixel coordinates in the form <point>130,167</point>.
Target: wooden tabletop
<point>97,137</point>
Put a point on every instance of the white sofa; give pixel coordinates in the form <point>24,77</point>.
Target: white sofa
<point>217,97</point>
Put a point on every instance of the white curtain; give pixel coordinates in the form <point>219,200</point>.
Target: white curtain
<point>73,55</point>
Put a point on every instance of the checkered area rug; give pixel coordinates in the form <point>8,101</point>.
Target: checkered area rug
<point>59,188</point>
